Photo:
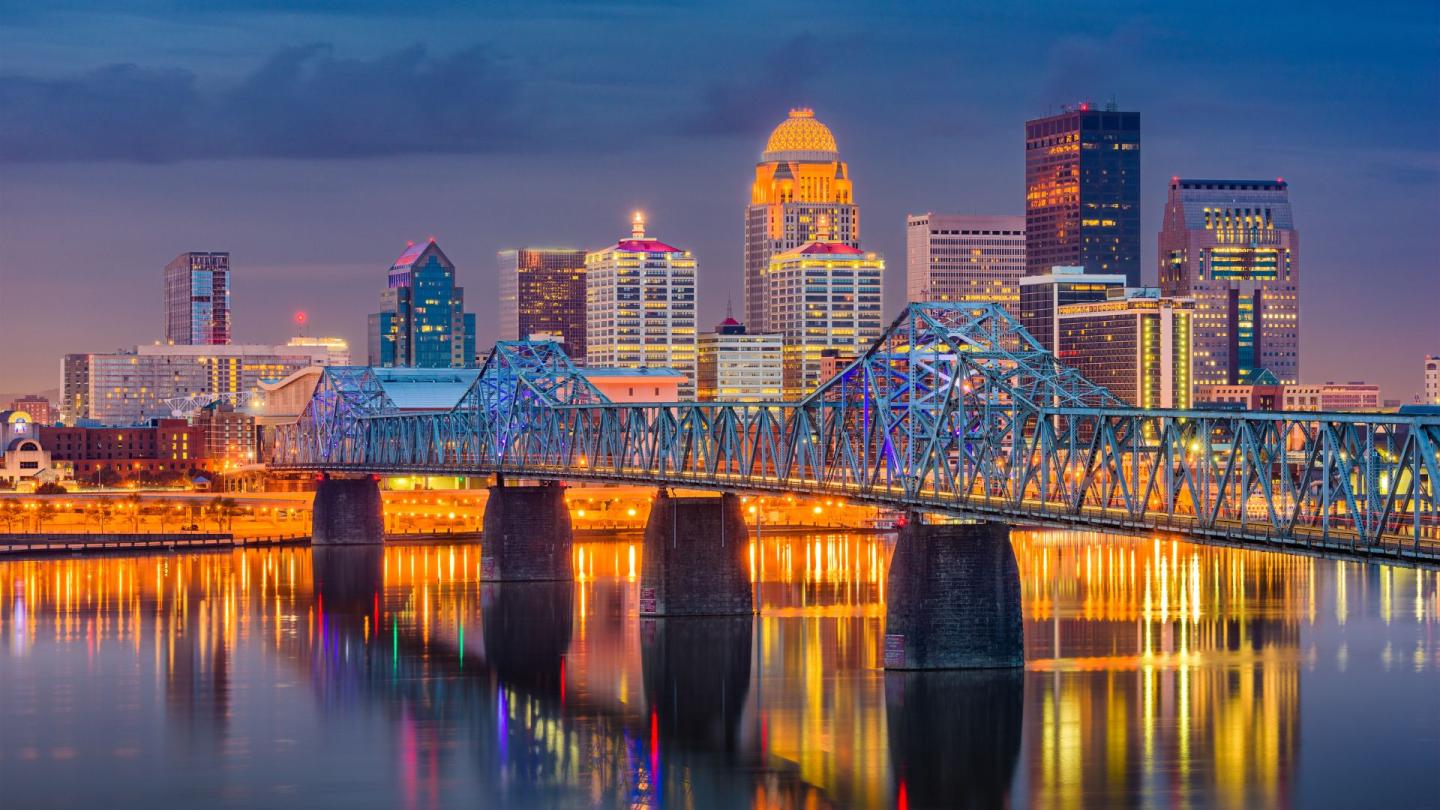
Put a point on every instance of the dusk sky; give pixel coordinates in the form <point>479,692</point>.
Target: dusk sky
<point>312,143</point>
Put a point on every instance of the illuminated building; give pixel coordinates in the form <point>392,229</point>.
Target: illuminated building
<point>129,387</point>
<point>227,436</point>
<point>1042,296</point>
<point>640,306</point>
<point>1082,192</point>
<point>37,406</point>
<point>950,257</point>
<point>646,384</point>
<point>1265,393</point>
<point>197,299</point>
<point>1134,343</point>
<point>1432,380</point>
<point>736,366</point>
<point>1232,246</point>
<point>337,349</point>
<point>823,295</point>
<point>422,322</point>
<point>542,290</point>
<point>21,455</point>
<point>165,448</point>
<point>799,179</point>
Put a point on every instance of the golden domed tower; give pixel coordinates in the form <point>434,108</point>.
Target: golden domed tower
<point>800,179</point>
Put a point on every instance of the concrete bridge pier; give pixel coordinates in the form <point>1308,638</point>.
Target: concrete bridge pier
<point>347,511</point>
<point>697,558</point>
<point>952,599</point>
<point>527,534</point>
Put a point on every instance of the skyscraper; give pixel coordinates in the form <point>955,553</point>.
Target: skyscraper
<point>950,257</point>
<point>1432,379</point>
<point>197,299</point>
<point>1232,246</point>
<point>422,322</point>
<point>542,290</point>
<point>736,366</point>
<point>1082,192</point>
<point>1134,343</point>
<point>640,306</point>
<point>1042,296</point>
<point>823,296</point>
<point>799,179</point>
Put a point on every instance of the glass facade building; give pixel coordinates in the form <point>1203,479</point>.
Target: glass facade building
<point>736,366</point>
<point>799,181</point>
<point>825,297</point>
<point>1232,246</point>
<point>949,257</point>
<point>1042,296</point>
<point>197,299</point>
<point>542,291</point>
<point>422,322</point>
<point>1082,192</point>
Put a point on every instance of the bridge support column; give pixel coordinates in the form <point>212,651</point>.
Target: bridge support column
<point>952,600</point>
<point>526,535</point>
<point>697,558</point>
<point>347,511</point>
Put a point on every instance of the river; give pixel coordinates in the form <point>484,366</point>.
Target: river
<point>1158,673</point>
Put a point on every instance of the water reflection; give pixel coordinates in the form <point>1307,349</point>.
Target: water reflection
<point>1158,672</point>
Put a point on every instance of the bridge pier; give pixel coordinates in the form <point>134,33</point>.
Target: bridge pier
<point>526,535</point>
<point>952,599</point>
<point>347,511</point>
<point>697,558</point>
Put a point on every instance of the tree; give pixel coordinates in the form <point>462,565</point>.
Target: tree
<point>161,508</point>
<point>133,502</point>
<point>50,488</point>
<point>101,509</point>
<point>107,477</point>
<point>11,510</point>
<point>43,512</point>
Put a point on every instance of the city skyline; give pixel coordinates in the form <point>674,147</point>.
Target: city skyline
<point>307,232</point>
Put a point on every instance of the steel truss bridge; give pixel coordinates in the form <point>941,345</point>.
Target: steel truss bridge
<point>955,409</point>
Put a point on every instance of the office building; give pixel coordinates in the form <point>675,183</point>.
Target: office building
<point>640,306</point>
<point>227,435</point>
<point>130,387</point>
<point>1134,343</point>
<point>1082,192</point>
<point>1042,296</point>
<point>736,366</point>
<point>1432,380</point>
<point>952,257</point>
<point>165,449</point>
<point>1266,393</point>
<point>823,295</point>
<point>337,350</point>
<point>799,179</point>
<point>36,406</point>
<point>74,388</point>
<point>1232,246</point>
<point>197,299</point>
<point>422,321</point>
<point>542,290</point>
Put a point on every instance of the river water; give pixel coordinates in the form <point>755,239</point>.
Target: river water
<point>1159,674</point>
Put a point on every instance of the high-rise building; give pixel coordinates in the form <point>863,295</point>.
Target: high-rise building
<point>823,295</point>
<point>1432,379</point>
<point>736,366</point>
<point>799,179</point>
<point>422,322</point>
<point>337,349</point>
<point>951,257</point>
<point>197,299</point>
<point>126,388</point>
<point>542,291</point>
<point>1042,296</point>
<point>1232,246</point>
<point>1134,343</point>
<point>640,306</point>
<point>1082,192</point>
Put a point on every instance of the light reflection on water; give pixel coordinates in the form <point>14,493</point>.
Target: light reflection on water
<point>1158,673</point>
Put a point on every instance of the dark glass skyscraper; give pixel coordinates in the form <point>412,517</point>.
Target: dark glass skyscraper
<point>542,290</point>
<point>197,299</point>
<point>422,322</point>
<point>1082,192</point>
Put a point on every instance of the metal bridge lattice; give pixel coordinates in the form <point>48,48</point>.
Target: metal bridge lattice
<point>955,409</point>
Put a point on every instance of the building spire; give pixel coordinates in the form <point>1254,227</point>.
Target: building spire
<point>637,226</point>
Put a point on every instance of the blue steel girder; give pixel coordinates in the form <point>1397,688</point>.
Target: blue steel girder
<point>954,409</point>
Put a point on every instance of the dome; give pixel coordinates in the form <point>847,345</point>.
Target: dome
<point>800,137</point>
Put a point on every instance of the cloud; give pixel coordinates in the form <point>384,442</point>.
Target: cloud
<point>302,102</point>
<point>752,103</point>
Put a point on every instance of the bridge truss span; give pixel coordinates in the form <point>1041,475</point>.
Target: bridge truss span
<point>955,409</point>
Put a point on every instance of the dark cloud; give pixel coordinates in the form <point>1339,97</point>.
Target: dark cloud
<point>749,104</point>
<point>302,102</point>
